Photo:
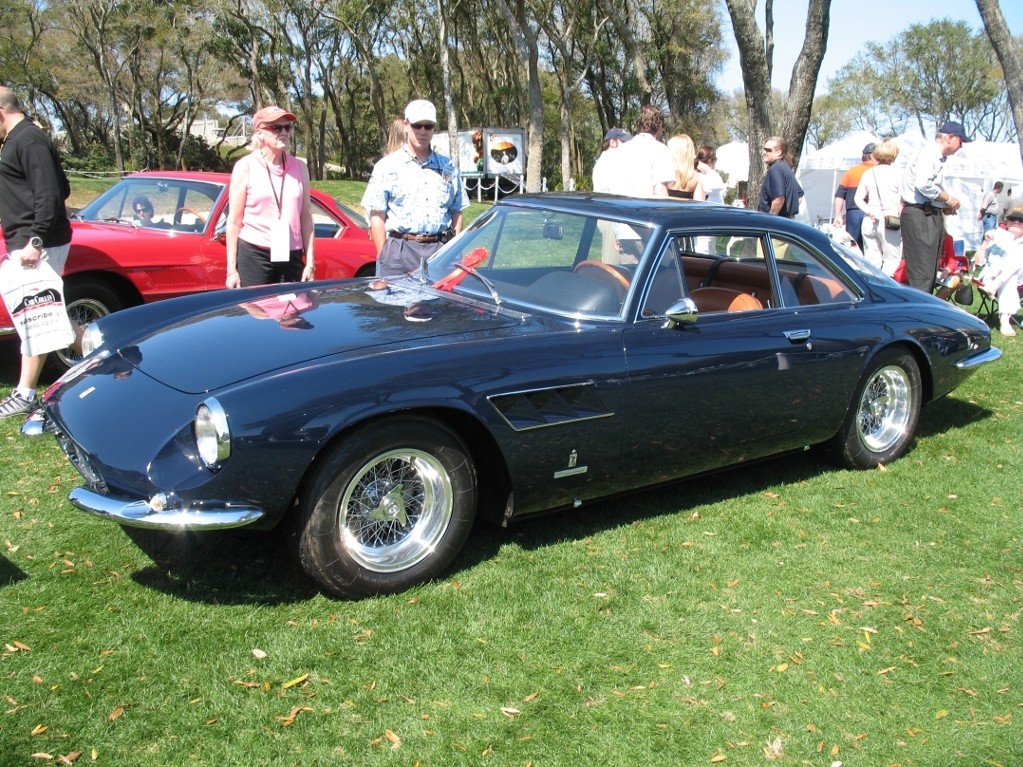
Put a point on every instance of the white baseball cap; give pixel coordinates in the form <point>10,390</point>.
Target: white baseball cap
<point>421,111</point>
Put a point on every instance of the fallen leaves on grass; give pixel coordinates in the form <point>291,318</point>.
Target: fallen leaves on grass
<point>291,716</point>
<point>296,681</point>
<point>391,737</point>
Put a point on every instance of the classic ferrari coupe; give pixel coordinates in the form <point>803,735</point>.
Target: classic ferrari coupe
<point>565,348</point>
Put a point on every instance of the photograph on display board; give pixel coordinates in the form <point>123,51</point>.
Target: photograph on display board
<point>505,153</point>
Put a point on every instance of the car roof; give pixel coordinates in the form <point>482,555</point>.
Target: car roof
<point>190,175</point>
<point>661,212</point>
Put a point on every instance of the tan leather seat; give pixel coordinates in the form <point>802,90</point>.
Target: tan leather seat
<point>724,300</point>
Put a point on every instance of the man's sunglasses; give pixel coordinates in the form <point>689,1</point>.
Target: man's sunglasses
<point>423,126</point>
<point>279,128</point>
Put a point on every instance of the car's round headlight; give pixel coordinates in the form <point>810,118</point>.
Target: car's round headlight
<point>92,339</point>
<point>212,434</point>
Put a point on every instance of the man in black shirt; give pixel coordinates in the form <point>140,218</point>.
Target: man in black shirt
<point>33,188</point>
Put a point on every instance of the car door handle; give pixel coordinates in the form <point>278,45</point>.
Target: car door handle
<point>797,336</point>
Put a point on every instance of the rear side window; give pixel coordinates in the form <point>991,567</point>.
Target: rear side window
<point>805,280</point>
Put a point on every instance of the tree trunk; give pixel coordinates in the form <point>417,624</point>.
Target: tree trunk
<point>755,54</point>
<point>525,44</point>
<point>445,78</point>
<point>1009,57</point>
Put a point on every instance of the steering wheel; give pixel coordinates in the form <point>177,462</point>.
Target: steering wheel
<point>620,279</point>
<point>185,209</point>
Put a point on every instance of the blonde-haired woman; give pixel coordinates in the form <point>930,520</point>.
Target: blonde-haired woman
<point>878,196</point>
<point>270,219</point>
<point>687,184</point>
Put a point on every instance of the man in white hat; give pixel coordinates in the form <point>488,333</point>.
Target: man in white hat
<point>414,198</point>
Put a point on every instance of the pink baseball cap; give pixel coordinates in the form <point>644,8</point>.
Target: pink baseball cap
<point>271,114</point>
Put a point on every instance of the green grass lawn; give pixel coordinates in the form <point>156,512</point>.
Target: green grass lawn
<point>787,613</point>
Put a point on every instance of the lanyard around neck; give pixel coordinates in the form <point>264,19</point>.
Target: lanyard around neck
<point>278,199</point>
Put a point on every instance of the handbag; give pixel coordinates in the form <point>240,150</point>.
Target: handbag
<point>964,294</point>
<point>893,223</point>
<point>35,300</point>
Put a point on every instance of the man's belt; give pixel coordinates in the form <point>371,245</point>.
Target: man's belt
<point>444,236</point>
<point>926,207</point>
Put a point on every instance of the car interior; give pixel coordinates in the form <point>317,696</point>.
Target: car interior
<point>585,265</point>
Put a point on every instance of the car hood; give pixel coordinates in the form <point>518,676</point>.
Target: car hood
<point>87,233</point>
<point>263,332</point>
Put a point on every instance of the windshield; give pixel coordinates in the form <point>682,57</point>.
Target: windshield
<point>554,261</point>
<point>857,262</point>
<point>179,204</point>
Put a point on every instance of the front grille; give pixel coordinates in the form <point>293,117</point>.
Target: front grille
<point>80,460</point>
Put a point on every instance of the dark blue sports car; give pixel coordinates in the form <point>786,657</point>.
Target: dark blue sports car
<point>563,349</point>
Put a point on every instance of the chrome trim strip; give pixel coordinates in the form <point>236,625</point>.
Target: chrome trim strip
<point>136,513</point>
<point>976,360</point>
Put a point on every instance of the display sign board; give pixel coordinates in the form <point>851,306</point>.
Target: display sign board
<point>488,151</point>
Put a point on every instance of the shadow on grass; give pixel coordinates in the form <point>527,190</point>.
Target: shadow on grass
<point>10,573</point>
<point>949,414</point>
<point>232,567</point>
<point>222,567</point>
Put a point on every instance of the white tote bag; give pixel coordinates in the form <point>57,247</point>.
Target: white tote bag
<point>34,297</point>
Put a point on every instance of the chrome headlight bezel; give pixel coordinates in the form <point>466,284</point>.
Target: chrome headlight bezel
<point>212,434</point>
<point>92,339</point>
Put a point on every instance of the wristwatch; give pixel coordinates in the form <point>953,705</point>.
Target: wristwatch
<point>36,242</point>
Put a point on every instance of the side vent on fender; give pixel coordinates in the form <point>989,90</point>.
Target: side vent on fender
<point>550,407</point>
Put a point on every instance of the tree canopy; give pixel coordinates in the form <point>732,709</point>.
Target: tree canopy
<point>131,77</point>
<point>123,81</point>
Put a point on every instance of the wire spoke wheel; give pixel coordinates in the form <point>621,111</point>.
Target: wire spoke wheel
<point>395,510</point>
<point>885,408</point>
<point>387,507</point>
<point>882,418</point>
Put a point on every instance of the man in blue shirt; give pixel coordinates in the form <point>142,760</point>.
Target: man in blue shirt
<point>414,198</point>
<point>780,192</point>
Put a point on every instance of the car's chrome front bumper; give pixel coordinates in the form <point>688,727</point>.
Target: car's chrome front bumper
<point>138,513</point>
<point>976,360</point>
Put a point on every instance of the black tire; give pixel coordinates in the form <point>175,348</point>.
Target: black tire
<point>367,270</point>
<point>881,422</point>
<point>87,300</point>
<point>387,508</point>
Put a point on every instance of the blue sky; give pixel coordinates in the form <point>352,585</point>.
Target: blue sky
<point>853,22</point>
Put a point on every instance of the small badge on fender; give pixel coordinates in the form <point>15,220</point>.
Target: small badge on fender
<point>573,467</point>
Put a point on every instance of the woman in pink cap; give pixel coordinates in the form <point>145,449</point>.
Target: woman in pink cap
<point>269,220</point>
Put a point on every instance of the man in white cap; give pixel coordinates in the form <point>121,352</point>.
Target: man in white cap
<point>414,198</point>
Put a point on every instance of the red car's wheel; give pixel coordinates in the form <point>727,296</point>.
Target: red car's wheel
<point>87,300</point>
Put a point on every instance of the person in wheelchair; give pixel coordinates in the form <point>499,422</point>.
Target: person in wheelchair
<point>1000,257</point>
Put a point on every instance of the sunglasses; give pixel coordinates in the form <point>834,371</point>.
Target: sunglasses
<point>1011,221</point>
<point>422,126</point>
<point>768,149</point>
<point>143,210</point>
<point>279,128</point>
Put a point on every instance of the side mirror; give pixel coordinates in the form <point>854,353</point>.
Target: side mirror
<point>682,312</point>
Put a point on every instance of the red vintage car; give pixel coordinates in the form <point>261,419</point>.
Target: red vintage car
<point>118,260</point>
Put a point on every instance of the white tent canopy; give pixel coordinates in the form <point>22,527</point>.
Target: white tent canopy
<point>733,160</point>
<point>970,173</point>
